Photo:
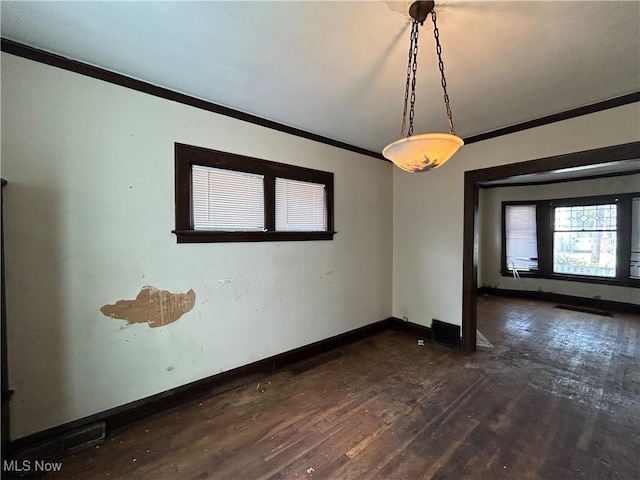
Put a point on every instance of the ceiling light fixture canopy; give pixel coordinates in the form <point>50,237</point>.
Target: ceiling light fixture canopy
<point>424,152</point>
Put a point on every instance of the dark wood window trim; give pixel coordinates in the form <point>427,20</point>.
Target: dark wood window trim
<point>188,155</point>
<point>545,230</point>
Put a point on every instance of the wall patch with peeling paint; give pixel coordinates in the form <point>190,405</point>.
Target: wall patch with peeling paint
<point>152,306</point>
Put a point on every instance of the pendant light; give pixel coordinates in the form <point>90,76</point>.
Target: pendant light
<point>424,152</point>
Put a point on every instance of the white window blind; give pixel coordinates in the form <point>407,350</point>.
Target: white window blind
<point>522,244</point>
<point>300,206</point>
<point>227,200</point>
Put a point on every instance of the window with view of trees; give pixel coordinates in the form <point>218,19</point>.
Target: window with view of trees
<point>585,239</point>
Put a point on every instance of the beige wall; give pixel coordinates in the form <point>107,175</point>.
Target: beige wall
<point>88,219</point>
<point>428,207</point>
<point>491,231</point>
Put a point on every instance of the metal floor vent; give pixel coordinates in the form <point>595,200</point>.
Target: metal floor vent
<point>446,334</point>
<point>594,311</point>
<point>66,443</point>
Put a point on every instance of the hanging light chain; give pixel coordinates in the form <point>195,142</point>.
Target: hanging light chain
<point>436,34</point>
<point>411,69</point>
<point>414,69</point>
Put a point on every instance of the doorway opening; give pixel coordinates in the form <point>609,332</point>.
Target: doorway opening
<point>606,159</point>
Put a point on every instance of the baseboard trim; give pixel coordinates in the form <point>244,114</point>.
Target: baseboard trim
<point>593,303</point>
<point>423,332</point>
<point>49,444</point>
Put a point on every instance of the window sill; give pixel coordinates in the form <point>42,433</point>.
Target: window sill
<point>575,278</point>
<point>199,236</point>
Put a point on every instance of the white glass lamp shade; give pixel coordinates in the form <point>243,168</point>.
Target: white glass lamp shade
<point>424,152</point>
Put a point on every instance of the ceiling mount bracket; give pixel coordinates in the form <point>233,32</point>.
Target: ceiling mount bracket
<point>420,10</point>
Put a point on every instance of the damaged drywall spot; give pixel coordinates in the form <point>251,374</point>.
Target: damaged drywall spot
<point>152,306</point>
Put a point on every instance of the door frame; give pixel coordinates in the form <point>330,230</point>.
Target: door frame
<point>473,180</point>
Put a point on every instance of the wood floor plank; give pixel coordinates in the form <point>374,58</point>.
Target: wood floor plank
<point>557,397</point>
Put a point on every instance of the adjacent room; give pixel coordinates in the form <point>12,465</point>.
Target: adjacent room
<point>228,254</point>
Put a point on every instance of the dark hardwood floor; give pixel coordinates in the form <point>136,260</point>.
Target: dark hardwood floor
<point>556,398</point>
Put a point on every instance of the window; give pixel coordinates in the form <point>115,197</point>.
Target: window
<point>227,201</point>
<point>584,240</point>
<point>300,206</point>
<point>589,239</point>
<point>634,253</point>
<point>222,197</point>
<point>520,237</point>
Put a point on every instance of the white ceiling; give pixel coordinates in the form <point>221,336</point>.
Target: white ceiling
<point>338,68</point>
